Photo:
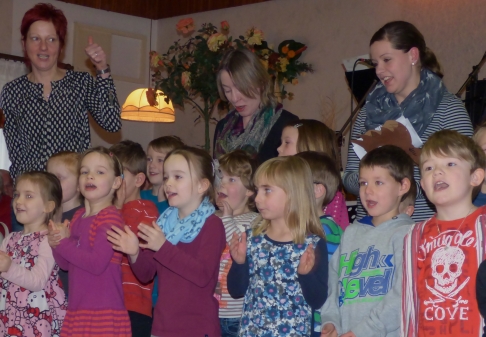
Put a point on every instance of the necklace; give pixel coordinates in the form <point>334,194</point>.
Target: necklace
<point>458,228</point>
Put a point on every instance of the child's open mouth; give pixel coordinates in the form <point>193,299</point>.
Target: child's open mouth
<point>371,203</point>
<point>170,194</point>
<point>222,195</point>
<point>440,185</point>
<point>90,187</point>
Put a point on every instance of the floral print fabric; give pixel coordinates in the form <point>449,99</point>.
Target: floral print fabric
<point>274,303</point>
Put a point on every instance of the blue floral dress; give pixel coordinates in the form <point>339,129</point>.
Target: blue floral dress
<point>274,304</point>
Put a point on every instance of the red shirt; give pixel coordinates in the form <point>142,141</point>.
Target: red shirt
<point>138,295</point>
<point>448,263</point>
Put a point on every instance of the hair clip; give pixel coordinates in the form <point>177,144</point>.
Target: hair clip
<point>215,165</point>
<point>111,154</point>
<point>216,173</point>
<point>298,125</point>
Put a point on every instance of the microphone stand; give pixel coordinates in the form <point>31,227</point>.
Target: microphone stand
<point>340,138</point>
<point>473,76</point>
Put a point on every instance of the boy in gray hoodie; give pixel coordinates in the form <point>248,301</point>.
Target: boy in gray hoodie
<point>365,273</point>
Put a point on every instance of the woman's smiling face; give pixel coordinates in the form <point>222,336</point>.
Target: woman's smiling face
<point>397,70</point>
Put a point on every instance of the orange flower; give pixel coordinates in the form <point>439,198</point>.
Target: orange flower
<point>290,54</point>
<point>185,26</point>
<point>225,26</point>
<point>295,81</point>
<point>285,49</point>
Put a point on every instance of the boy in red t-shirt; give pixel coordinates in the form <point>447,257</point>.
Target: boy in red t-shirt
<point>442,254</point>
<point>138,296</point>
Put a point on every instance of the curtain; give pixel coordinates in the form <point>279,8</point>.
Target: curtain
<point>9,70</point>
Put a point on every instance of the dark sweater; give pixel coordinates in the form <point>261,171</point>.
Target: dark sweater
<point>187,276</point>
<point>268,150</point>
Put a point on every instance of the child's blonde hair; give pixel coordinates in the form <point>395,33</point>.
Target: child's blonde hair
<point>238,163</point>
<point>203,166</point>
<point>450,143</point>
<point>293,175</point>
<point>50,190</point>
<point>315,136</point>
<point>70,159</point>
<point>166,144</point>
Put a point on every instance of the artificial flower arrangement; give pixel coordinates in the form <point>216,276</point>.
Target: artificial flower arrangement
<point>187,72</point>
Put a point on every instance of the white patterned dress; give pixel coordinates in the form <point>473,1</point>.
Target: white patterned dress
<point>39,311</point>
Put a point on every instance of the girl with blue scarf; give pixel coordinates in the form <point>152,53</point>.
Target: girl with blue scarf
<point>410,86</point>
<point>183,247</point>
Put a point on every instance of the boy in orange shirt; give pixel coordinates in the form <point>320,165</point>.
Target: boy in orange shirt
<point>442,254</point>
<point>138,296</point>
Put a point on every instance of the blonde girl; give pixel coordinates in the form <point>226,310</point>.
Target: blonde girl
<point>277,269</point>
<point>32,301</point>
<point>183,247</point>
<point>96,305</point>
<point>312,135</point>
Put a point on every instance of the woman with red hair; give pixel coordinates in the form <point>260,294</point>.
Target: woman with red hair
<point>46,110</point>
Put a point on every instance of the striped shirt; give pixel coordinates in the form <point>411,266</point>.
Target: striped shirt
<point>228,306</point>
<point>450,114</point>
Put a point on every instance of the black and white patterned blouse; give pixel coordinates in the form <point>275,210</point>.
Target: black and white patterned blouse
<point>35,128</point>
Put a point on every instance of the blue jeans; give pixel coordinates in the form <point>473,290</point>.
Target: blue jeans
<point>229,326</point>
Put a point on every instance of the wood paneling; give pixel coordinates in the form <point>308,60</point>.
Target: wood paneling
<point>159,9</point>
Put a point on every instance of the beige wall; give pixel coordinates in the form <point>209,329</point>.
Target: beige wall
<point>6,7</point>
<point>338,29</point>
<point>332,29</point>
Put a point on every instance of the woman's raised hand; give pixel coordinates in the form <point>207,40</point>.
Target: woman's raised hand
<point>124,241</point>
<point>96,54</point>
<point>153,235</point>
<point>238,248</point>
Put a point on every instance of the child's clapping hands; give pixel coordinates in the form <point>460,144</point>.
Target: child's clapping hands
<point>127,242</point>
<point>57,232</point>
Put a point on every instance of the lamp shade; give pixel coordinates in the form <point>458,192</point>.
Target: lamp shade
<point>138,108</point>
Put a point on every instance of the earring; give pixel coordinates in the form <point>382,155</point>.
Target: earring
<point>413,63</point>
